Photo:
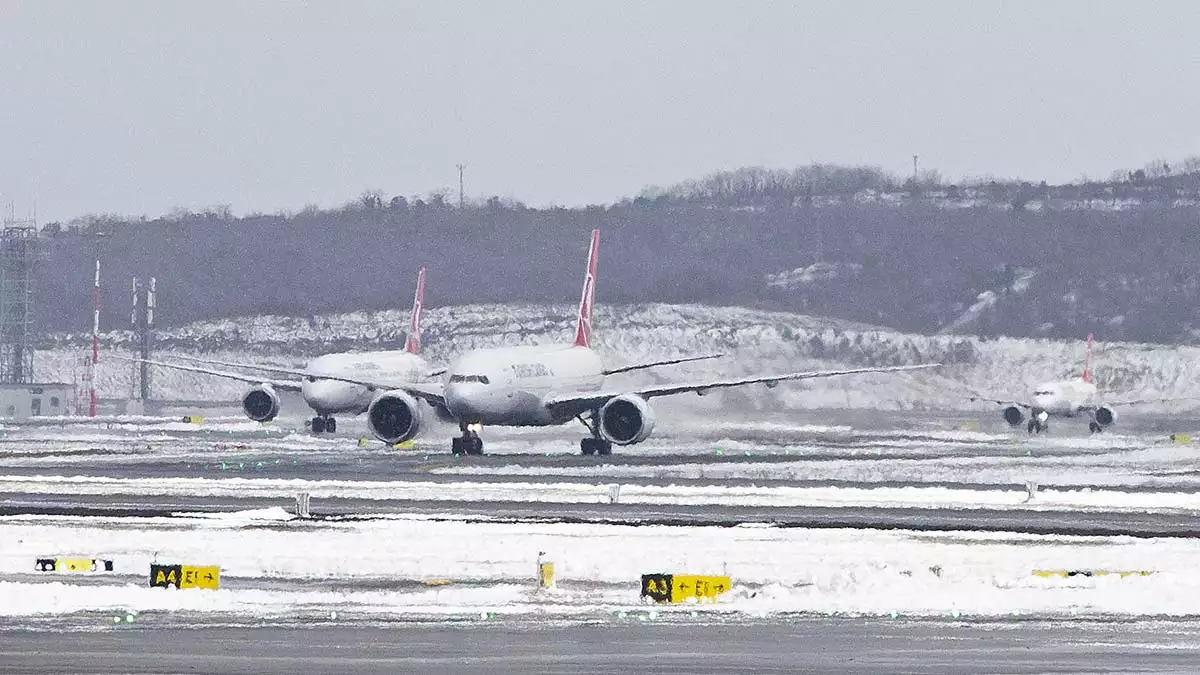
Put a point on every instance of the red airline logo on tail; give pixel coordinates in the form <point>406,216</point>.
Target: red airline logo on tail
<point>413,344</point>
<point>1087,361</point>
<point>583,325</point>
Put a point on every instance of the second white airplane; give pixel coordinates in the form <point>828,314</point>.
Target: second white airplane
<point>1078,397</point>
<point>331,384</point>
<point>546,385</point>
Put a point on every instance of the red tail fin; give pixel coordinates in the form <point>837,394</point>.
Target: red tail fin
<point>413,344</point>
<point>583,324</point>
<point>1087,361</point>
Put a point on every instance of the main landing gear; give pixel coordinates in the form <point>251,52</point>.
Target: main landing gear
<point>1037,427</point>
<point>1095,427</point>
<point>596,445</point>
<point>323,424</point>
<point>468,444</point>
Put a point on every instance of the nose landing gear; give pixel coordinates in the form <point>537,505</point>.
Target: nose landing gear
<point>323,424</point>
<point>1039,421</point>
<point>468,444</point>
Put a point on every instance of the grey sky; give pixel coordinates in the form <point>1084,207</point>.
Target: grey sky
<point>136,107</point>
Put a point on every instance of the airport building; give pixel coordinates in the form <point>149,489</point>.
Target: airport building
<point>25,400</point>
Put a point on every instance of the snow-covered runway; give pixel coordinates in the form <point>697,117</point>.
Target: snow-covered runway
<point>458,538</point>
<point>426,568</point>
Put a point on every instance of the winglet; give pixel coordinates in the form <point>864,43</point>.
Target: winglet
<point>583,324</point>
<point>413,344</point>
<point>1087,361</point>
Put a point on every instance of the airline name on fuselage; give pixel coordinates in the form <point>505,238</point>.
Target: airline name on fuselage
<point>529,370</point>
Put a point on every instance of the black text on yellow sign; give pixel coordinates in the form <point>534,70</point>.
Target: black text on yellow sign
<point>185,576</point>
<point>680,587</point>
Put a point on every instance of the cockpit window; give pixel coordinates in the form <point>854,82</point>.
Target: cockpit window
<point>1043,392</point>
<point>482,379</point>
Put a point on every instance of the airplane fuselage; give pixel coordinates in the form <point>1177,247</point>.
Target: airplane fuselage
<point>1066,398</point>
<point>329,397</point>
<point>507,386</point>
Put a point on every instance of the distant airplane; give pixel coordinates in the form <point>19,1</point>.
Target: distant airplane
<point>330,384</point>
<point>1076,397</point>
<point>547,385</point>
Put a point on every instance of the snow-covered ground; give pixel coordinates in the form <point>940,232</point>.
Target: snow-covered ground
<point>414,567</point>
<point>754,341</point>
<point>931,497</point>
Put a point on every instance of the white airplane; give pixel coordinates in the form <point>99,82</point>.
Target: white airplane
<point>331,384</point>
<point>1076,397</point>
<point>548,385</point>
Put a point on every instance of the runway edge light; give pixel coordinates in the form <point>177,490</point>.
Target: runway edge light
<point>545,571</point>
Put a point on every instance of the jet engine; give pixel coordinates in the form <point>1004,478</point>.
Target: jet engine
<point>1013,415</point>
<point>1105,416</point>
<point>626,420</point>
<point>394,416</point>
<point>261,403</point>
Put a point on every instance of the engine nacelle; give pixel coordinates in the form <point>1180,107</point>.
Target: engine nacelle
<point>1105,416</point>
<point>1013,415</point>
<point>394,417</point>
<point>261,403</point>
<point>626,420</point>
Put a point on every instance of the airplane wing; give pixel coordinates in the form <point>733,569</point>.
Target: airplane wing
<point>670,362</point>
<point>282,385</point>
<point>1141,401</point>
<point>998,401</point>
<point>429,392</point>
<point>582,402</point>
<point>298,372</point>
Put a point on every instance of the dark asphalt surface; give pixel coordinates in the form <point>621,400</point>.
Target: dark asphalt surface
<point>1062,522</point>
<point>800,646</point>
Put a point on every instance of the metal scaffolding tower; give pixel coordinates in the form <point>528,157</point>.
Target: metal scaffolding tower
<point>18,255</point>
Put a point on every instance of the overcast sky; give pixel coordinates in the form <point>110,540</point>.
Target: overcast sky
<point>138,107</point>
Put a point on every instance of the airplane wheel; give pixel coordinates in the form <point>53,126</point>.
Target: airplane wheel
<point>475,446</point>
<point>331,425</point>
<point>456,446</point>
<point>318,425</point>
<point>1095,427</point>
<point>595,446</point>
<point>1033,425</point>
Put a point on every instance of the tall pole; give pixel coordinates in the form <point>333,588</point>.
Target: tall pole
<point>151,292</point>
<point>95,336</point>
<point>133,327</point>
<point>461,199</point>
<point>914,169</point>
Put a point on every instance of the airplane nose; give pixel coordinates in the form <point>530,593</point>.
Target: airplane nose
<point>321,391</point>
<point>455,398</point>
<point>465,400</point>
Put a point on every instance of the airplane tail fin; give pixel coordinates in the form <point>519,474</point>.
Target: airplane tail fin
<point>1087,361</point>
<point>413,344</point>
<point>583,324</point>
